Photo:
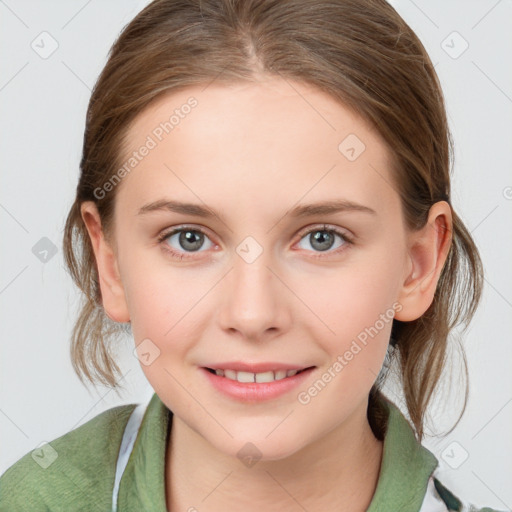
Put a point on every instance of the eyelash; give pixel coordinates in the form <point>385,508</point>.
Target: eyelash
<point>348,240</point>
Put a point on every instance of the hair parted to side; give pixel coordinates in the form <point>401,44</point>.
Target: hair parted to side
<point>363,54</point>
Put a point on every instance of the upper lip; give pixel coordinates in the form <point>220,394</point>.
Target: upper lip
<point>255,367</point>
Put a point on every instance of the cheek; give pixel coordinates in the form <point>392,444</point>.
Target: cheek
<point>164,318</point>
<point>352,309</point>
<point>162,304</point>
<point>357,318</point>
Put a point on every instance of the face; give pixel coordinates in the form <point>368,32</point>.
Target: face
<point>257,280</point>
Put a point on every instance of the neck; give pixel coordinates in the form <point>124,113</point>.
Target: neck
<point>338,472</point>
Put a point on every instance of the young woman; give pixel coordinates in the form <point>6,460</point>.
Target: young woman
<point>264,199</point>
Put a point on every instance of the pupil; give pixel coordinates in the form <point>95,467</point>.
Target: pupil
<point>191,237</point>
<point>322,240</point>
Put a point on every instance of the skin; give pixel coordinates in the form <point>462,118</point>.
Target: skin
<point>251,152</point>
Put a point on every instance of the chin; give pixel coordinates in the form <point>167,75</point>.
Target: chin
<point>253,449</point>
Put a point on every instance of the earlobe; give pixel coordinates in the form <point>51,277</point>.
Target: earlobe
<point>428,250</point>
<point>112,291</point>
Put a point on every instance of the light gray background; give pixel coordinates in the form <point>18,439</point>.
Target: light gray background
<point>43,103</point>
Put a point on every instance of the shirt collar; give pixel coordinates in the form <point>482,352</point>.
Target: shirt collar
<point>405,468</point>
<point>142,485</point>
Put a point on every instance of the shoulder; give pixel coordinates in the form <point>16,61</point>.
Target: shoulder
<point>439,498</point>
<point>75,468</point>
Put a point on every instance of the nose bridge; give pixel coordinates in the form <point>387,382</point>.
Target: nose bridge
<point>253,303</point>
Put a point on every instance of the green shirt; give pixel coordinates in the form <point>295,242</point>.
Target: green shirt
<point>76,472</point>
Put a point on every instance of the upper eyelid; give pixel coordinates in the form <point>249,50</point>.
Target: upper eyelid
<point>165,233</point>
<point>322,226</point>
<point>326,227</point>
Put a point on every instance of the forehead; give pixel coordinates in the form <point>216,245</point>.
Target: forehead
<point>244,141</point>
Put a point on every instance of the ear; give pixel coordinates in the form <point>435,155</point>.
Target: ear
<point>112,291</point>
<point>428,250</point>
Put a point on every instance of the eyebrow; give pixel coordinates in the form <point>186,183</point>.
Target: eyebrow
<point>305,210</point>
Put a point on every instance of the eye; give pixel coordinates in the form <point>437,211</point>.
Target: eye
<point>183,240</point>
<point>323,239</point>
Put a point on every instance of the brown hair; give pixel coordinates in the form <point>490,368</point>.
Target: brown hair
<point>364,55</point>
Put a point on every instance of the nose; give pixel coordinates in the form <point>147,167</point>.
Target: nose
<point>256,304</point>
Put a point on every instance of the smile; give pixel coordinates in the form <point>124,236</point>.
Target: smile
<point>241,376</point>
<point>252,387</point>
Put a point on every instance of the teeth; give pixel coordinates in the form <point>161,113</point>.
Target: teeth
<point>256,377</point>
<point>230,374</point>
<point>262,377</point>
<point>245,377</point>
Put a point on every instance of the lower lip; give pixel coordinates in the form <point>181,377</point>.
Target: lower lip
<point>256,391</point>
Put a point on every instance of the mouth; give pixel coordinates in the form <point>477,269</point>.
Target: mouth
<point>261,377</point>
<point>251,388</point>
